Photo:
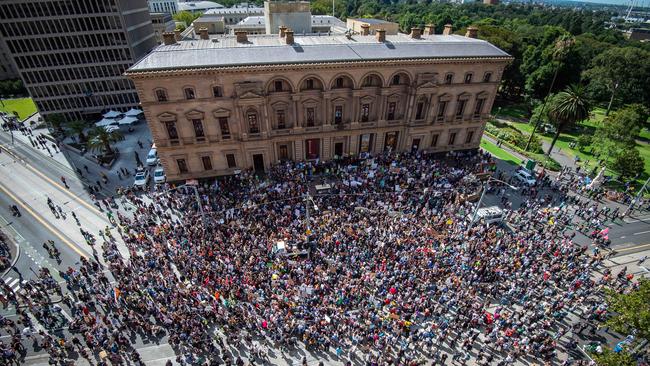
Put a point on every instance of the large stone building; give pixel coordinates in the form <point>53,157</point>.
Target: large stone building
<point>72,54</point>
<point>252,101</point>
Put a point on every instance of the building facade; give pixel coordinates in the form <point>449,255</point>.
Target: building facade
<point>163,6</point>
<point>71,54</point>
<point>162,22</point>
<point>253,101</point>
<point>295,15</point>
<point>7,68</point>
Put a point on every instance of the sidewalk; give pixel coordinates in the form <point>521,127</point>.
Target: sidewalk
<point>77,163</point>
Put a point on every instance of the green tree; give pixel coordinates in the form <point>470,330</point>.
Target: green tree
<point>77,128</point>
<point>630,312</point>
<point>611,358</point>
<point>544,62</point>
<point>100,140</point>
<point>187,17</point>
<point>620,74</point>
<point>567,108</point>
<point>624,125</point>
<point>583,141</point>
<point>57,123</point>
<point>628,162</point>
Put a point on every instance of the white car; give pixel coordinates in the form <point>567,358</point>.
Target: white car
<point>152,157</point>
<point>159,175</point>
<point>141,179</point>
<point>525,178</point>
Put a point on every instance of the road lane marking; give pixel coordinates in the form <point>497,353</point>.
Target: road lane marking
<point>642,232</point>
<point>61,187</point>
<point>632,248</point>
<point>43,222</point>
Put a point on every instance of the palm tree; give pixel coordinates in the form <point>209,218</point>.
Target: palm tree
<point>561,50</point>
<point>567,108</point>
<point>77,127</point>
<point>56,122</point>
<point>100,140</point>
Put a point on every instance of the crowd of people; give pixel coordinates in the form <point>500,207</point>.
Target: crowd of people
<point>381,266</point>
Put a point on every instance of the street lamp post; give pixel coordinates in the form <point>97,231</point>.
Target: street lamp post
<point>485,188</point>
<point>636,198</point>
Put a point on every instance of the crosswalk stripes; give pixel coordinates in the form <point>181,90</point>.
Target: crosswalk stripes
<point>14,283</point>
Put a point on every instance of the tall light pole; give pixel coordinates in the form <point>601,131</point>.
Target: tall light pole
<point>485,188</point>
<point>636,198</point>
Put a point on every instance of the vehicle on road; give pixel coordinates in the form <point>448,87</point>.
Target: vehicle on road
<point>549,129</point>
<point>141,179</point>
<point>152,157</point>
<point>524,177</point>
<point>490,215</point>
<point>159,175</point>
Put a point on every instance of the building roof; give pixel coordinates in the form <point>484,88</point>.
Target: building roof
<point>372,21</point>
<point>255,20</point>
<point>228,11</point>
<point>208,18</point>
<point>263,50</point>
<point>198,5</point>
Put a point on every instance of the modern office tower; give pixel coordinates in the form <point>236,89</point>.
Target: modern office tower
<point>71,54</point>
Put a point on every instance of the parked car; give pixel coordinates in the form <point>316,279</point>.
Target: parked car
<point>152,157</point>
<point>549,129</point>
<point>490,215</point>
<point>525,178</point>
<point>159,175</point>
<point>141,179</point>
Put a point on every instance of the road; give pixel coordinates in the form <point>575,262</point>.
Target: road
<point>28,177</point>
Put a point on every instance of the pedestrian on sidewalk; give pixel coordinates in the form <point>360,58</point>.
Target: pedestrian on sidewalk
<point>56,148</point>
<point>65,183</point>
<point>86,169</point>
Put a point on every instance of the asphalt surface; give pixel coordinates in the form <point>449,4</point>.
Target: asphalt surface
<point>26,170</point>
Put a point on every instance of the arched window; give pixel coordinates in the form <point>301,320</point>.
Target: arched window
<point>253,123</point>
<point>161,95</point>
<point>189,93</point>
<point>371,80</point>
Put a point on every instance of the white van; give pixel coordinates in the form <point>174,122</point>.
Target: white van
<point>490,215</point>
<point>152,157</point>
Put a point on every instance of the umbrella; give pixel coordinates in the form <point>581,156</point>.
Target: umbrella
<point>111,114</point>
<point>127,120</point>
<point>105,122</point>
<point>133,112</point>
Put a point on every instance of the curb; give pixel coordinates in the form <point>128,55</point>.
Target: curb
<point>13,263</point>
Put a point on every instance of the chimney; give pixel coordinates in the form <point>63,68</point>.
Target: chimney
<point>204,33</point>
<point>283,31</point>
<point>365,29</point>
<point>381,35</point>
<point>168,38</point>
<point>416,32</point>
<point>242,36</point>
<point>177,35</point>
<point>448,30</point>
<point>472,32</point>
<point>429,29</point>
<point>289,36</point>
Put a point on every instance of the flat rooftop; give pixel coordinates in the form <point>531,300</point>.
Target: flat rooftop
<point>372,21</point>
<point>225,51</point>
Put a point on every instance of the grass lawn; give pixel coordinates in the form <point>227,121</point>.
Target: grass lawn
<point>589,127</point>
<point>499,153</point>
<point>25,107</point>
